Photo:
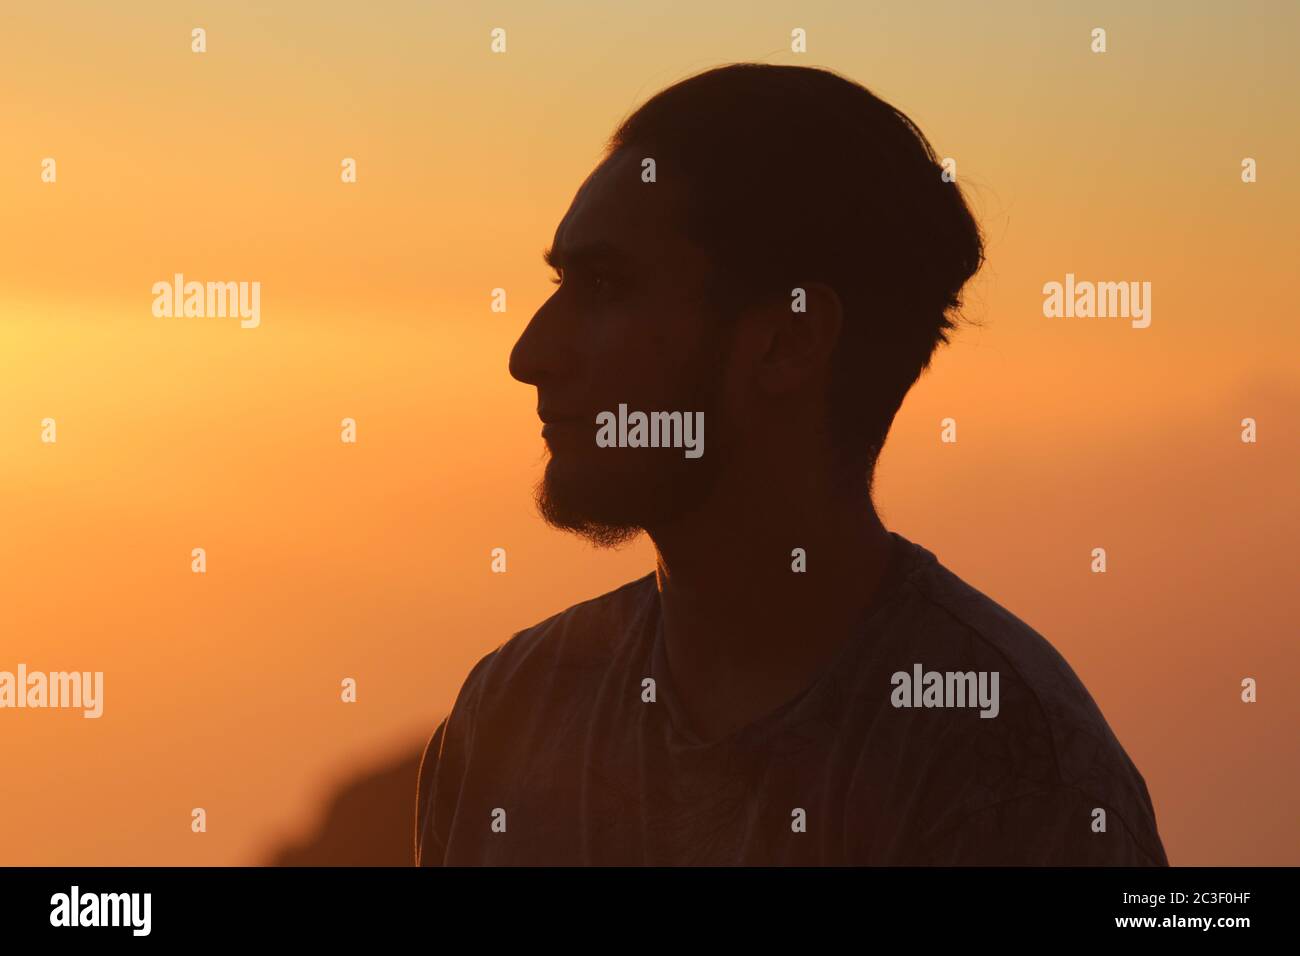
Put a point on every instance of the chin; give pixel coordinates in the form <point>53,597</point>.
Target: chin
<point>610,507</point>
<point>574,492</point>
<point>572,508</point>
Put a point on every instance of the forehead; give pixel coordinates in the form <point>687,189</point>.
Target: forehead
<point>617,219</point>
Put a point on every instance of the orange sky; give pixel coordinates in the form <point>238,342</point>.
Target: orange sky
<point>372,561</point>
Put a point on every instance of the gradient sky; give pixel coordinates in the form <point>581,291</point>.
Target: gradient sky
<point>372,561</point>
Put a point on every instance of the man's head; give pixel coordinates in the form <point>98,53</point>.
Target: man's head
<point>788,272</point>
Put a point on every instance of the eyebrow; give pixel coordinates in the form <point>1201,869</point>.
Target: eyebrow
<point>593,252</point>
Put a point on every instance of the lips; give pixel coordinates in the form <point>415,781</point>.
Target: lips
<point>550,427</point>
<point>565,433</point>
<point>550,416</point>
<point>557,422</point>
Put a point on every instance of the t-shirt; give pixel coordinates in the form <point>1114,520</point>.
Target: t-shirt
<point>945,731</point>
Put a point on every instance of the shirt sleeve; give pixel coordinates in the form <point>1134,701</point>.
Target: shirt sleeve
<point>1057,827</point>
<point>442,769</point>
<point>429,845</point>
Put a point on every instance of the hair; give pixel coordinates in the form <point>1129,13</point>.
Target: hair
<point>797,174</point>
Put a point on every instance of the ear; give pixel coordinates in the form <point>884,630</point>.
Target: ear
<point>796,338</point>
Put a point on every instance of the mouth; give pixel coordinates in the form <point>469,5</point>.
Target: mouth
<point>551,416</point>
<point>557,427</point>
<point>554,425</point>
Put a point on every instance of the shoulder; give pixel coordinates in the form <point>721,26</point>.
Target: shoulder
<point>568,644</point>
<point>508,688</point>
<point>970,625</point>
<point>579,640</point>
<point>1049,754</point>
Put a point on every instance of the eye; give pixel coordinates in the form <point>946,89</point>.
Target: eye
<point>598,282</point>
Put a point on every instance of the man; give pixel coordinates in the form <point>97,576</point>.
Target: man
<point>749,284</point>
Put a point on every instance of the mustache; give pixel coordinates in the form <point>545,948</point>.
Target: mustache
<point>698,385</point>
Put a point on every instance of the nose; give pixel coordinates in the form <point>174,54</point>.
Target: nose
<point>544,351</point>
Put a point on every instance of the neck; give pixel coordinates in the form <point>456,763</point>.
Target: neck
<point>743,631</point>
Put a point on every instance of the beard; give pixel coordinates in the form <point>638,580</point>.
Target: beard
<point>609,496</point>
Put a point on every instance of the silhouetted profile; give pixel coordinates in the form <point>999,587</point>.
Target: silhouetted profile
<point>750,282</point>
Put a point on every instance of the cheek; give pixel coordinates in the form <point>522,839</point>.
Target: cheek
<point>635,329</point>
<point>738,361</point>
<point>638,356</point>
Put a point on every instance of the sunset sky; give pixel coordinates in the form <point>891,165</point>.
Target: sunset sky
<point>372,561</point>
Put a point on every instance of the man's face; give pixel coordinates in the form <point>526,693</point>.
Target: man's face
<point>626,325</point>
